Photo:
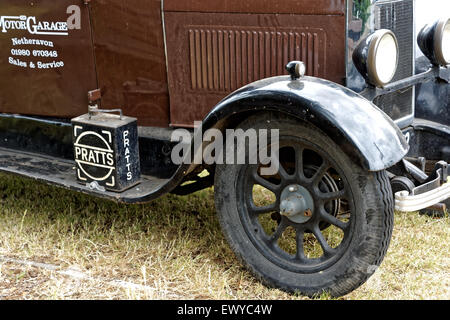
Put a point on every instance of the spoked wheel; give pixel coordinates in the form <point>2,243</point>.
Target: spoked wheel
<point>302,239</point>
<point>321,223</point>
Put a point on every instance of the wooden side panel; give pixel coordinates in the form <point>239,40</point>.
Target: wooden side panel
<point>211,55</point>
<point>130,58</point>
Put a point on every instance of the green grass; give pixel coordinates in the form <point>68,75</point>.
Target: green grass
<point>174,246</point>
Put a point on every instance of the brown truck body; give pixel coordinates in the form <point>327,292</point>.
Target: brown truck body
<point>213,48</point>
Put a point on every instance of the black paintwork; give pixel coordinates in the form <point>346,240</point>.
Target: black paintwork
<point>429,134</point>
<point>429,139</point>
<point>432,98</point>
<point>365,133</point>
<point>51,137</point>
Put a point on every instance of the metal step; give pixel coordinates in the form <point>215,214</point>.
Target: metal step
<point>62,173</point>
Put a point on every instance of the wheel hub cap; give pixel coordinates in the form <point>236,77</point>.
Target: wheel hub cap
<point>296,204</point>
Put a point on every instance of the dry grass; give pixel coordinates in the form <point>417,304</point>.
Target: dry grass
<point>174,247</point>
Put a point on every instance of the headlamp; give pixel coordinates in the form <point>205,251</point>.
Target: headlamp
<point>376,57</point>
<point>434,41</point>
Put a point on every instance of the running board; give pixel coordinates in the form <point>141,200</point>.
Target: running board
<point>61,173</point>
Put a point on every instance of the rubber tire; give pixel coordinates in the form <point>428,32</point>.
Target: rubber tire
<point>374,216</point>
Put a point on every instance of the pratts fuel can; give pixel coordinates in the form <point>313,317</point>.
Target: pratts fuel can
<point>106,150</point>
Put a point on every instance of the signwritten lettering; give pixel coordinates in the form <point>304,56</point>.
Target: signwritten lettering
<point>32,25</point>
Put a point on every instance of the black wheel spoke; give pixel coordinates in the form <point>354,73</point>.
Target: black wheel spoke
<point>299,162</point>
<point>327,250</point>
<point>277,234</point>
<point>332,195</point>
<point>333,220</point>
<point>320,173</point>
<point>282,171</point>
<point>262,210</point>
<point>299,236</point>
<point>303,173</point>
<point>264,182</point>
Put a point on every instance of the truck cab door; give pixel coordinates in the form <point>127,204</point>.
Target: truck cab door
<point>46,57</point>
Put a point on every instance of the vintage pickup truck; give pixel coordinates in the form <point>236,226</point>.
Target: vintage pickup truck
<point>95,96</point>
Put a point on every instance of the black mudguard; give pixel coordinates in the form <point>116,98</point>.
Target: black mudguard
<point>365,133</point>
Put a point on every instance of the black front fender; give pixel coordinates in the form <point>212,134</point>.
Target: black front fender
<point>365,133</point>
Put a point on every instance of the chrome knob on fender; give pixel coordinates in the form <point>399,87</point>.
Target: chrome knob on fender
<point>296,69</point>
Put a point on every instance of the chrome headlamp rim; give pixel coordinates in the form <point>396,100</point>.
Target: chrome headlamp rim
<point>439,41</point>
<point>377,37</point>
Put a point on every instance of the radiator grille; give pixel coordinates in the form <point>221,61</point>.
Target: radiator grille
<point>398,16</point>
<point>227,59</point>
